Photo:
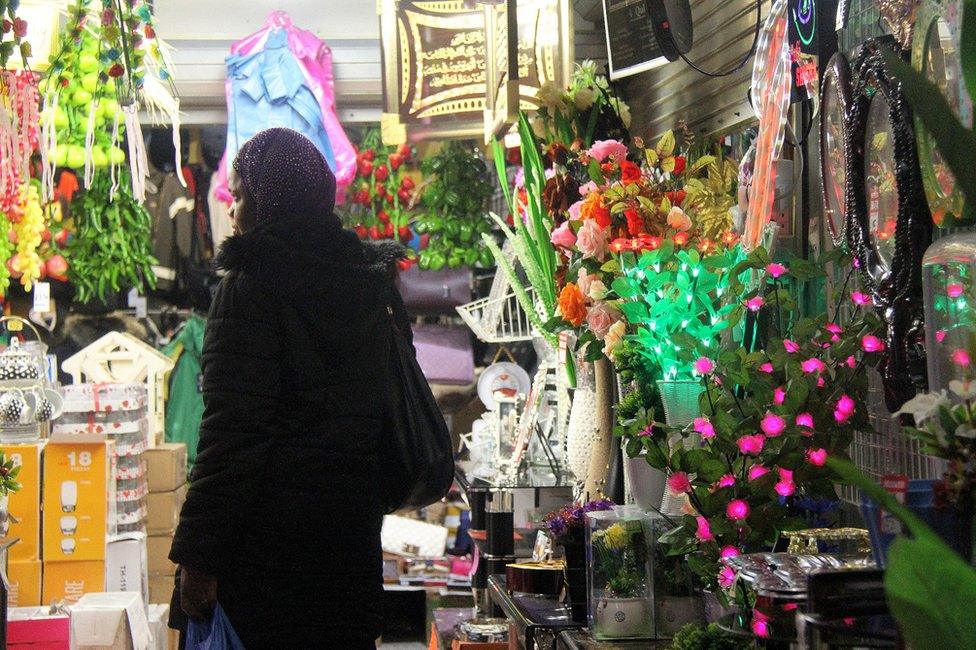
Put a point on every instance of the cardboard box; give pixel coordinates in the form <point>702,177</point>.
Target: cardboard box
<point>24,577</point>
<point>126,566</point>
<point>164,511</point>
<point>25,505</point>
<point>71,580</point>
<point>79,499</point>
<point>110,621</point>
<point>166,466</point>
<point>35,628</point>
<point>159,562</point>
<point>161,588</point>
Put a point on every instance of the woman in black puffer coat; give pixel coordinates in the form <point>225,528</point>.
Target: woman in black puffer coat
<point>282,522</point>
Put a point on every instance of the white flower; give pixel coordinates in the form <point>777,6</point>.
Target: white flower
<point>624,112</point>
<point>551,95</point>
<point>964,389</point>
<point>965,431</point>
<point>539,128</point>
<point>924,405</point>
<point>584,98</point>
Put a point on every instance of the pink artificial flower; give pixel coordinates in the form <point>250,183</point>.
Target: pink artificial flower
<point>791,346</point>
<point>785,487</point>
<point>757,471</point>
<point>760,624</point>
<point>704,427</point>
<point>846,405</point>
<point>737,510</point>
<point>955,290</point>
<point>704,366</point>
<point>755,304</point>
<point>752,444</point>
<point>872,343</point>
<point>679,482</point>
<point>603,149</point>
<point>817,457</point>
<point>729,551</point>
<point>834,328</point>
<point>851,362</point>
<point>840,417</point>
<point>585,280</point>
<point>772,425</point>
<point>776,270</point>
<point>588,187</point>
<point>813,365</point>
<point>648,431</point>
<point>726,577</point>
<point>563,236</point>
<point>574,211</point>
<point>857,263</point>
<point>960,357</point>
<point>726,481</point>
<point>860,299</point>
<point>766,368</point>
<point>821,382</point>
<point>779,396</point>
<point>940,336</point>
<point>704,532</point>
<point>592,240</point>
<point>804,420</point>
<point>601,318</point>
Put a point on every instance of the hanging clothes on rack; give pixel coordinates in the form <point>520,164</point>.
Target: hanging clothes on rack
<point>282,76</point>
<point>184,406</point>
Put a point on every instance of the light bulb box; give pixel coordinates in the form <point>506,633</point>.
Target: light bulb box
<point>79,498</point>
<point>24,578</point>
<point>25,505</point>
<point>166,466</point>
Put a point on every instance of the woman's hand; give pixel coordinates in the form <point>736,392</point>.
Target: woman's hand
<point>198,593</point>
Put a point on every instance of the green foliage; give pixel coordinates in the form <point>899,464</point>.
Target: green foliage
<point>8,475</point>
<point>455,200</point>
<point>112,249</point>
<point>712,637</point>
<point>929,588</point>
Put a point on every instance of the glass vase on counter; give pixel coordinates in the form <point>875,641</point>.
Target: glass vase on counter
<point>949,289</point>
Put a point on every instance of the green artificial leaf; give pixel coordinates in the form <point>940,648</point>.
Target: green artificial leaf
<point>711,469</point>
<point>655,456</point>
<point>636,312</point>
<point>624,287</point>
<point>596,174</point>
<point>931,592</point>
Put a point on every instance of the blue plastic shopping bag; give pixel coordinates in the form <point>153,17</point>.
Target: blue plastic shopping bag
<point>213,634</point>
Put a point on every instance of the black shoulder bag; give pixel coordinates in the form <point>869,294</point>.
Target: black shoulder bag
<point>419,467</point>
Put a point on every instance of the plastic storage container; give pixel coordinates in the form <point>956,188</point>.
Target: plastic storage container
<point>949,289</point>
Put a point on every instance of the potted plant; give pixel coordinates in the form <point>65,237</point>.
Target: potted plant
<point>619,574</point>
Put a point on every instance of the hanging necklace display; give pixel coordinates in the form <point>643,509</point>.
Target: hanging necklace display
<point>888,224</point>
<point>835,102</point>
<point>935,53</point>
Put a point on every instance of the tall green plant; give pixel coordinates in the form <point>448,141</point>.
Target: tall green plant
<point>530,237</point>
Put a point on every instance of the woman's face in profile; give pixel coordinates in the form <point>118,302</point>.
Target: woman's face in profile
<point>242,209</point>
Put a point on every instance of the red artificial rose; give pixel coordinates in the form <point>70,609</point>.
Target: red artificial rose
<point>382,173</point>
<point>679,164</point>
<point>7,26</point>
<point>20,27</point>
<point>681,238</point>
<point>116,71</point>
<point>635,223</point>
<point>607,168</point>
<point>677,198</point>
<point>629,172</point>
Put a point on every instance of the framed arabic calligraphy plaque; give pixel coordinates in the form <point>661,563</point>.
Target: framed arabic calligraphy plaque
<point>436,73</point>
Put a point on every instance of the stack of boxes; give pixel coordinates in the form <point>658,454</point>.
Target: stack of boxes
<point>118,412</point>
<point>24,558</point>
<point>167,492</point>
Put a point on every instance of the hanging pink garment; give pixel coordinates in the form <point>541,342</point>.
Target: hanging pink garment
<point>315,60</point>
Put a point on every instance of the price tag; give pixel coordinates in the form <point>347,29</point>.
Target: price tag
<point>42,297</point>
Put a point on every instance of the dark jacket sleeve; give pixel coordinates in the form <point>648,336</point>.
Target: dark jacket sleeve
<point>241,393</point>
<point>400,316</point>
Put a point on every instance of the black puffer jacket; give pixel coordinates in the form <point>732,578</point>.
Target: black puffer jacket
<point>283,506</point>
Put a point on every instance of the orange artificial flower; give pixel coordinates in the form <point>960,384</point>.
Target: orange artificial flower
<point>572,305</point>
<point>594,207</point>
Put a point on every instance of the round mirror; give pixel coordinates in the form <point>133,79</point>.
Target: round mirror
<point>880,183</point>
<point>936,54</point>
<point>835,101</point>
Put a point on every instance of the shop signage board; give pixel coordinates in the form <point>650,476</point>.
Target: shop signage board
<point>436,69</point>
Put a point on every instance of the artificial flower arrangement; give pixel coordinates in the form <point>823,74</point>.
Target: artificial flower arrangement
<point>566,526</point>
<point>588,109</point>
<point>770,418</point>
<point>945,424</point>
<point>647,251</point>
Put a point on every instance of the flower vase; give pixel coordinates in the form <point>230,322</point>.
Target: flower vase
<point>681,407</point>
<point>582,429</point>
<point>599,465</point>
<point>646,484</point>
<point>575,574</point>
<point>622,618</point>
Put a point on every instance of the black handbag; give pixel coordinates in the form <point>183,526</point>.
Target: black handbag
<point>419,466</point>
